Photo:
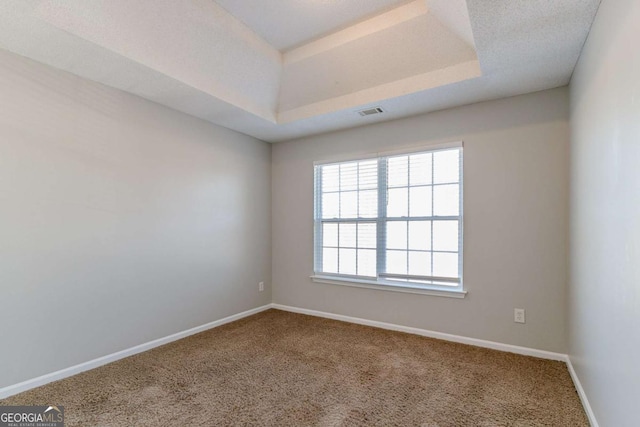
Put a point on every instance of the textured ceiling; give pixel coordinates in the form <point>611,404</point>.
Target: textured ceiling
<point>196,57</point>
<point>288,23</point>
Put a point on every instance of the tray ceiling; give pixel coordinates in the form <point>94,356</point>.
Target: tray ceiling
<point>285,24</point>
<point>284,69</point>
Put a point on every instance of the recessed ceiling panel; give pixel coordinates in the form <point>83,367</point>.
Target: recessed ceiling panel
<point>382,65</point>
<point>223,60</point>
<point>288,23</point>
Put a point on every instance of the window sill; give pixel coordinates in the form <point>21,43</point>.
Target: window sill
<point>371,284</point>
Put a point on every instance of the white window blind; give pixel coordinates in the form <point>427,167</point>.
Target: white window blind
<point>395,219</point>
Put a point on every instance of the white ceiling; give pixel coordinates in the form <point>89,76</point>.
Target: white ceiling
<point>288,23</point>
<point>196,57</point>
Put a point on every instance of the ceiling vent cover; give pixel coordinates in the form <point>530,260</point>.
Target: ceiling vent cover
<point>371,111</point>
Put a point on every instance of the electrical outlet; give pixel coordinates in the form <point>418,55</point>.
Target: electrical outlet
<point>261,286</point>
<point>518,315</point>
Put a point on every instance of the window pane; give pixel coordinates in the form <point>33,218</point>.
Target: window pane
<point>446,166</point>
<point>348,176</point>
<point>368,204</point>
<point>330,178</point>
<point>397,262</point>
<point>397,171</point>
<point>420,263</point>
<point>420,235</point>
<point>397,204</point>
<point>349,204</point>
<point>367,235</point>
<point>417,185</point>
<point>330,205</point>
<point>420,201</point>
<point>330,235</point>
<point>368,174</point>
<point>445,236</point>
<point>445,264</point>
<point>397,235</point>
<point>445,200</point>
<point>347,261</point>
<point>420,169</point>
<point>367,262</point>
<point>329,260</point>
<point>348,235</point>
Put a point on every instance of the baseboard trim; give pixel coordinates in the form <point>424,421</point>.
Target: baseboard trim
<point>543,354</point>
<point>95,363</point>
<point>583,396</point>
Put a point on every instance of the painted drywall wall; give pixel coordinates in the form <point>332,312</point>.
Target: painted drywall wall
<point>515,205</point>
<point>604,291</point>
<point>121,221</point>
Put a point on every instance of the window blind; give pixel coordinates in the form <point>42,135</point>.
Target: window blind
<point>394,219</point>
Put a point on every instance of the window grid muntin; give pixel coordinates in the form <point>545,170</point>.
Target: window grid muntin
<point>382,220</point>
<point>432,218</point>
<point>357,188</point>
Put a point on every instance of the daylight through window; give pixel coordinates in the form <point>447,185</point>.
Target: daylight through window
<point>395,220</point>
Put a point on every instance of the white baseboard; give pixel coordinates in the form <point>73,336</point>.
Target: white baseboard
<point>92,364</point>
<point>543,354</point>
<point>583,396</point>
<point>95,363</point>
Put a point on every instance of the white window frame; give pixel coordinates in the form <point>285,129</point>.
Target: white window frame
<point>384,281</point>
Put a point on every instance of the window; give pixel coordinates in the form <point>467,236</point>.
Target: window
<point>393,221</point>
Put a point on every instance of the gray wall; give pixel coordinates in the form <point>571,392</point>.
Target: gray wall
<point>515,205</point>
<point>604,295</point>
<point>121,221</point>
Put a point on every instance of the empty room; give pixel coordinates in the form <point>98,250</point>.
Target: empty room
<point>319,213</point>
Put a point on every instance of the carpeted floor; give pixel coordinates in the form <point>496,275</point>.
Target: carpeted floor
<point>284,369</point>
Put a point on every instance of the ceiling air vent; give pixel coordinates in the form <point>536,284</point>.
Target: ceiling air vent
<point>371,111</point>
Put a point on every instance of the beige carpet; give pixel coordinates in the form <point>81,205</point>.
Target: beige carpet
<point>284,369</point>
